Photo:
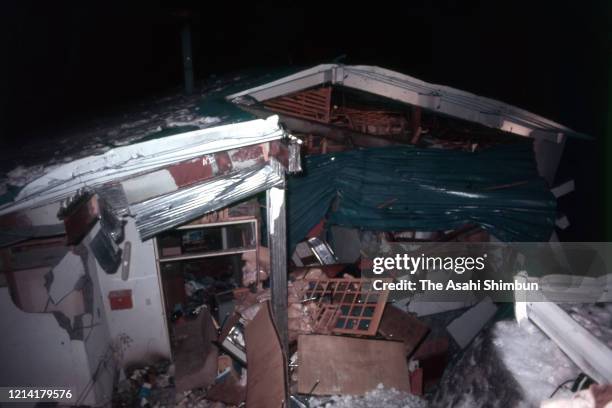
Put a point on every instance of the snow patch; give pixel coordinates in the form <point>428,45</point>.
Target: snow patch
<point>21,175</point>
<point>507,365</point>
<point>380,398</point>
<point>596,318</point>
<point>193,120</point>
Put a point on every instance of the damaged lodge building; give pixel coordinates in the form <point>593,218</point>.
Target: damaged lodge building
<point>210,251</point>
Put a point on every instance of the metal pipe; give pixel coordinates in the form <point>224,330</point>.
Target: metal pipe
<point>187,58</point>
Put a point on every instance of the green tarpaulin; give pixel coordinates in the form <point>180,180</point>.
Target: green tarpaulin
<point>407,188</point>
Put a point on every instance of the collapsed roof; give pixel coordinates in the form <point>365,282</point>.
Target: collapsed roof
<point>130,164</point>
<point>406,89</point>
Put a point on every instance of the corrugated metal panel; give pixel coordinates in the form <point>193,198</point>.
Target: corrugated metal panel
<point>171,210</point>
<point>413,91</point>
<point>125,161</point>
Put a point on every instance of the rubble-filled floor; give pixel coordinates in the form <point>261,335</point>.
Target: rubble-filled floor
<point>506,365</point>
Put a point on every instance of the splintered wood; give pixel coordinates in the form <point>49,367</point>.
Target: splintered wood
<point>313,104</point>
<point>343,365</point>
<point>346,306</point>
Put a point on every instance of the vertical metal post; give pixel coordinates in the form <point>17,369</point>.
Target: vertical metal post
<point>606,155</point>
<point>277,242</point>
<point>187,58</point>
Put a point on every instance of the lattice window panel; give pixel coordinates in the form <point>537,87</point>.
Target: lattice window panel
<point>313,104</point>
<point>346,306</point>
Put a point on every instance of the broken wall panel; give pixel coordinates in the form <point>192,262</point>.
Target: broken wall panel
<point>347,306</point>
<point>267,375</point>
<point>75,332</point>
<point>35,253</point>
<point>145,323</point>
<point>64,277</point>
<point>62,363</point>
<point>29,293</point>
<point>330,365</point>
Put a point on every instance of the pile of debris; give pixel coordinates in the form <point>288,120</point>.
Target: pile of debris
<point>343,340</point>
<point>349,346</point>
<point>151,385</point>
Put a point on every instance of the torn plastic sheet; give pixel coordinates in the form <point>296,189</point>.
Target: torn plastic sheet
<point>171,210</point>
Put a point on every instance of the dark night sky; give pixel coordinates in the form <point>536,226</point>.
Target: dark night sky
<point>64,64</point>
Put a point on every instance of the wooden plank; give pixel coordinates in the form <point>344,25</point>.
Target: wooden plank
<point>267,373</point>
<point>346,365</point>
<point>299,104</point>
<point>401,326</point>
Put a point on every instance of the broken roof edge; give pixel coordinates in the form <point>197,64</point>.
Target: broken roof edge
<point>406,89</point>
<point>125,161</point>
<point>171,210</point>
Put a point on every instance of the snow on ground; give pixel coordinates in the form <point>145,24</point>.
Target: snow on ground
<point>23,164</point>
<point>595,317</point>
<point>506,366</point>
<point>380,398</point>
